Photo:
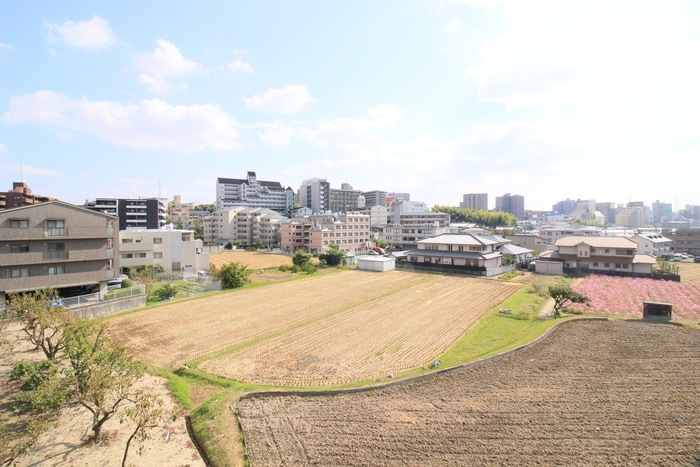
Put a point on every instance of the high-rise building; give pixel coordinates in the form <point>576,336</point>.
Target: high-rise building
<point>19,196</point>
<point>375,198</point>
<point>514,204</point>
<point>252,193</point>
<point>661,212</point>
<point>315,194</point>
<point>344,199</point>
<point>565,207</point>
<point>142,213</point>
<point>478,201</point>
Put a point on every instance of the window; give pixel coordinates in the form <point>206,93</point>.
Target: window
<point>157,240</point>
<point>595,264</point>
<point>54,270</point>
<point>127,255</point>
<point>19,223</point>
<point>140,255</point>
<point>55,227</point>
<point>19,272</point>
<point>56,251</point>
<point>157,255</point>
<point>19,248</point>
<point>127,240</point>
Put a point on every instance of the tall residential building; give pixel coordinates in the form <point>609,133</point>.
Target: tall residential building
<point>631,217</point>
<point>349,232</point>
<point>20,195</point>
<point>661,212</point>
<point>344,199</point>
<point>244,225</point>
<point>566,207</point>
<point>179,212</point>
<point>375,198</point>
<point>142,213</point>
<point>608,210</point>
<point>252,193</point>
<point>514,204</point>
<point>315,194</point>
<point>56,245</point>
<point>477,201</point>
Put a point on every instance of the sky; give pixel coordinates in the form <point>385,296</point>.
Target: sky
<point>546,99</point>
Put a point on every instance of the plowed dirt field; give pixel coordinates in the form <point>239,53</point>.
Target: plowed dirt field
<point>589,393</point>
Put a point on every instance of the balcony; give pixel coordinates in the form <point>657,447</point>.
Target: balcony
<point>56,281</point>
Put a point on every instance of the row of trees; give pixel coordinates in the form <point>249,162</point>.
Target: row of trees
<point>79,366</point>
<point>491,219</point>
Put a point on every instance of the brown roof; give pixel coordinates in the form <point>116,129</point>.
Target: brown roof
<point>597,241</point>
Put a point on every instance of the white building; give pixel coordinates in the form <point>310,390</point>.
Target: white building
<point>244,225</point>
<point>176,251</point>
<point>653,243</point>
<point>253,193</point>
<point>316,195</point>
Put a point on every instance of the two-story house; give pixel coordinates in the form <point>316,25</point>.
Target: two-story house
<point>603,254</point>
<point>462,252</point>
<point>57,245</point>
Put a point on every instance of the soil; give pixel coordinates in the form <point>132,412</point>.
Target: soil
<point>66,443</point>
<point>589,393</point>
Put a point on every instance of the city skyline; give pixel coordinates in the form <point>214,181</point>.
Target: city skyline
<point>547,100</point>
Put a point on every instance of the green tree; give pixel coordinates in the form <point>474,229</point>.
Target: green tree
<point>40,320</point>
<point>100,374</point>
<point>333,256</point>
<point>166,291</point>
<point>564,295</point>
<point>301,258</point>
<point>146,413</point>
<point>234,275</point>
<point>41,391</point>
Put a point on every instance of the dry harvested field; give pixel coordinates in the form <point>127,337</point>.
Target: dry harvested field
<point>378,334</point>
<point>420,313</point>
<point>255,260</point>
<point>690,272</point>
<point>589,393</point>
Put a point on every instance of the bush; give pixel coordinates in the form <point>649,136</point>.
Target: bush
<point>234,275</point>
<point>166,291</point>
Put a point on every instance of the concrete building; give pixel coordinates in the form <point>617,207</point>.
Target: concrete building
<point>653,243</point>
<point>661,213</point>
<point>57,245</point>
<point>345,199</point>
<point>141,213</point>
<point>349,232</point>
<point>179,212</point>
<point>245,226</point>
<point>566,207</point>
<point>630,217</point>
<point>20,195</point>
<point>514,204</point>
<point>175,250</point>
<point>478,201</point>
<point>375,198</point>
<point>686,240</point>
<point>378,215</point>
<point>315,194</point>
<point>252,193</point>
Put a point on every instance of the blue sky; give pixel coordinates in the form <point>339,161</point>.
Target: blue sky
<point>549,100</point>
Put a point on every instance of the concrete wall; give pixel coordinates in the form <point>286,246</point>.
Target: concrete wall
<point>109,307</point>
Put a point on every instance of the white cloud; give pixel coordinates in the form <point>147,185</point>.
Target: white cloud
<point>94,33</point>
<point>290,99</point>
<point>275,135</point>
<point>156,68</point>
<point>150,123</point>
<point>240,65</point>
<point>27,170</point>
<point>454,26</point>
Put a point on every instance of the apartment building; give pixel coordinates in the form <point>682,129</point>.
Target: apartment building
<point>378,215</point>
<point>477,201</point>
<point>653,243</point>
<point>686,240</point>
<point>349,232</point>
<point>375,198</point>
<point>57,245</point>
<point>631,217</point>
<point>252,193</point>
<point>20,195</point>
<point>175,251</point>
<point>315,194</point>
<point>244,225</point>
<point>141,213</point>
<point>514,204</point>
<point>345,199</point>
<point>179,212</point>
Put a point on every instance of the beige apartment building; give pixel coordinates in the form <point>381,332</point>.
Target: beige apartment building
<point>314,234</point>
<point>57,245</point>
<point>244,225</point>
